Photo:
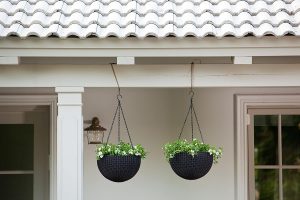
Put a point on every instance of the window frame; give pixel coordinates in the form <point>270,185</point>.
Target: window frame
<point>280,166</point>
<point>41,100</point>
<point>242,103</point>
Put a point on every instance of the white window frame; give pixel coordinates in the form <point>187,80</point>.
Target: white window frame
<point>40,100</point>
<point>242,120</point>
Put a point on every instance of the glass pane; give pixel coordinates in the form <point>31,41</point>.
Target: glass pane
<point>290,139</point>
<point>16,187</point>
<point>266,139</point>
<point>16,147</point>
<point>291,184</point>
<point>266,184</point>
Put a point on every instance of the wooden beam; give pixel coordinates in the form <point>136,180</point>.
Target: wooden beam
<point>242,60</point>
<point>211,75</point>
<point>9,60</point>
<point>125,60</point>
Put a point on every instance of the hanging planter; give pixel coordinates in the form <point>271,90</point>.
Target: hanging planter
<point>191,160</point>
<point>119,162</point>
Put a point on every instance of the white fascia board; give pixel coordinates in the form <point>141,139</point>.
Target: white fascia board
<point>9,60</point>
<point>151,47</point>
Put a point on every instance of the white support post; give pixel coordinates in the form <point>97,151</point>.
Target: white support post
<point>69,143</point>
<point>242,60</point>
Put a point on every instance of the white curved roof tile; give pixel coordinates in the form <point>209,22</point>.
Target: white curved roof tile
<point>143,18</point>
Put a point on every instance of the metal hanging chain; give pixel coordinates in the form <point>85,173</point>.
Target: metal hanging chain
<point>119,89</point>
<point>126,124</point>
<point>186,117</point>
<point>192,124</point>
<point>191,110</point>
<point>112,124</point>
<point>119,121</point>
<point>119,112</point>
<point>199,129</point>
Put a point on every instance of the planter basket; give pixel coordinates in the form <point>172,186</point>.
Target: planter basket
<point>188,167</point>
<point>119,168</point>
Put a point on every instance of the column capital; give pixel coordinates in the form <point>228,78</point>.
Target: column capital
<point>69,96</point>
<point>69,89</point>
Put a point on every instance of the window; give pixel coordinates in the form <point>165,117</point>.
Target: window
<point>274,154</point>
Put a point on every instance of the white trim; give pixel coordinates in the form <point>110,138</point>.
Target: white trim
<point>35,100</point>
<point>243,102</point>
<point>125,60</point>
<point>242,60</point>
<point>9,60</point>
<point>206,75</point>
<point>150,47</point>
<point>69,89</point>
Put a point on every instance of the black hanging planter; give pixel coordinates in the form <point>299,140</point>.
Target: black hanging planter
<point>191,160</point>
<point>119,168</point>
<point>191,167</point>
<point>119,162</point>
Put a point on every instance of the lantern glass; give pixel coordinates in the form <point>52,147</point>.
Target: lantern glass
<point>95,137</point>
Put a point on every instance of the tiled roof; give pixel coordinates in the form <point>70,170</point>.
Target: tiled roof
<point>142,18</point>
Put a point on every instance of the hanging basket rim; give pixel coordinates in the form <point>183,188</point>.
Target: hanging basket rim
<point>192,148</point>
<point>120,156</point>
<point>196,154</point>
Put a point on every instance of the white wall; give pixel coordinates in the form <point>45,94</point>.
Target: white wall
<point>155,116</point>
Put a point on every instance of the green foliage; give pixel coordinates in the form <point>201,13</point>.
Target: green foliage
<point>121,149</point>
<point>193,147</point>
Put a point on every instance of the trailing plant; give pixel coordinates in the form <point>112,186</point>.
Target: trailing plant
<point>121,149</point>
<point>193,148</point>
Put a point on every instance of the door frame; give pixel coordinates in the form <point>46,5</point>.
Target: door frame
<point>41,100</point>
<point>242,119</point>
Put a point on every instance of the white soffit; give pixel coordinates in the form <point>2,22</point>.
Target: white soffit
<point>142,18</point>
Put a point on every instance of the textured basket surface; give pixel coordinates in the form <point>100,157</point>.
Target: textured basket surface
<point>119,168</point>
<point>189,167</point>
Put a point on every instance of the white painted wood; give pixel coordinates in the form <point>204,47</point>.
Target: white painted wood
<point>69,143</point>
<point>125,60</point>
<point>9,60</point>
<point>242,60</point>
<point>243,103</point>
<point>151,47</point>
<point>28,101</point>
<point>257,75</point>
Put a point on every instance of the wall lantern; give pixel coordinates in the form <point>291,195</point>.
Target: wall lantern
<point>95,132</point>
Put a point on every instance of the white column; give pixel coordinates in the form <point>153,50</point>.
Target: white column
<point>69,143</point>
